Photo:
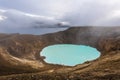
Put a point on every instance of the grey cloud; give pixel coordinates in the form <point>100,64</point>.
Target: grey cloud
<point>94,12</point>
<point>15,21</point>
<point>75,12</point>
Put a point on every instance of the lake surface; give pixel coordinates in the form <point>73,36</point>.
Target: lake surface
<point>68,54</point>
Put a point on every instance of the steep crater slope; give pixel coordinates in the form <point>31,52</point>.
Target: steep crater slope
<point>21,53</point>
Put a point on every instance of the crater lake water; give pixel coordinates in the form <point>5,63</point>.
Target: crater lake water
<point>68,54</point>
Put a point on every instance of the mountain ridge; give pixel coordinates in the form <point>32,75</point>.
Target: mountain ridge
<point>21,53</point>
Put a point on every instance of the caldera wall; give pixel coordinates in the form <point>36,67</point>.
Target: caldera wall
<point>22,52</point>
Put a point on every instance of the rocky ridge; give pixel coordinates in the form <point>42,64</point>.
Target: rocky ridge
<point>20,53</point>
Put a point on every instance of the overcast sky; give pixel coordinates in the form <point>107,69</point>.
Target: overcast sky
<point>74,12</point>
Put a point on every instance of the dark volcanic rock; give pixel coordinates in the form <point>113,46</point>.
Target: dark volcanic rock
<point>21,53</point>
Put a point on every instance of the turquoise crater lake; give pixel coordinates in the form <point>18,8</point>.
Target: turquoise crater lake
<point>68,54</point>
